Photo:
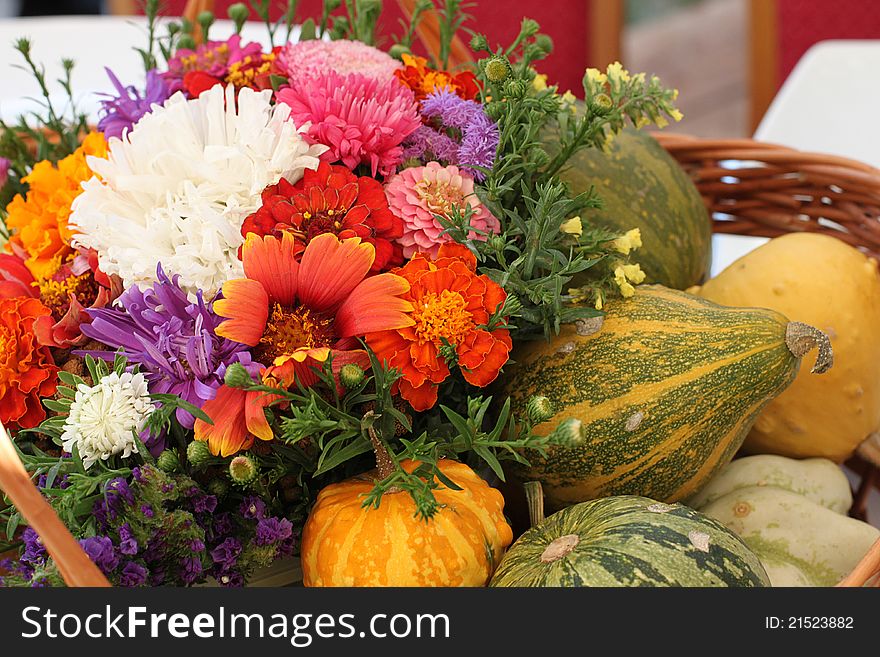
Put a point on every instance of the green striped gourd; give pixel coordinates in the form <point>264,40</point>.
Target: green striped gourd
<point>629,541</point>
<point>665,389</point>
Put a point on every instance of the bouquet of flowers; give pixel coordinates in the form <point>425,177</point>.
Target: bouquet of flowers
<point>264,271</point>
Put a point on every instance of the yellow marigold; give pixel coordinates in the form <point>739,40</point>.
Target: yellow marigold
<point>39,221</point>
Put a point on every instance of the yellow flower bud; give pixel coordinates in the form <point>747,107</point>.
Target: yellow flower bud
<point>540,82</point>
<point>630,240</point>
<point>617,72</point>
<point>573,226</point>
<point>620,278</point>
<point>676,115</point>
<point>568,97</point>
<point>599,301</point>
<point>594,75</point>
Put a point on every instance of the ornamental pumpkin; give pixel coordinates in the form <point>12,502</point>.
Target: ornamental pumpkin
<point>664,390</point>
<point>828,284</point>
<point>347,544</point>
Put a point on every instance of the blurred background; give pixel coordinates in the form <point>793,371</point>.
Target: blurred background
<point>730,56</point>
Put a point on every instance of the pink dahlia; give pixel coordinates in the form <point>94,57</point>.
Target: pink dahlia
<point>418,194</point>
<point>362,120</point>
<point>309,59</point>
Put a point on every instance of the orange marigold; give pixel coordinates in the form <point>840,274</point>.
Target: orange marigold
<point>424,80</point>
<point>38,222</point>
<point>27,371</point>
<point>452,306</point>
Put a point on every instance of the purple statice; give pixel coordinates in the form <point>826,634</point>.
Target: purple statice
<point>191,570</point>
<point>119,113</point>
<point>133,574</point>
<point>226,554</point>
<point>172,339</point>
<point>147,511</point>
<point>222,525</point>
<point>128,545</point>
<point>118,494</point>
<point>101,551</point>
<point>458,132</point>
<point>34,552</point>
<point>273,530</point>
<point>202,503</point>
<point>252,508</point>
<point>4,171</point>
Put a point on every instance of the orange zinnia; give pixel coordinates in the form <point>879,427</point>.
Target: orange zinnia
<point>27,371</point>
<point>452,308</point>
<point>39,221</point>
<point>296,315</point>
<point>424,80</point>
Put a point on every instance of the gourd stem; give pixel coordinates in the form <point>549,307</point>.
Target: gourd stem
<point>801,338</point>
<point>535,501</point>
<point>384,462</point>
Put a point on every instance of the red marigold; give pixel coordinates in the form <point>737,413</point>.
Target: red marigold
<point>452,305</point>
<point>27,371</point>
<point>424,80</point>
<point>330,199</point>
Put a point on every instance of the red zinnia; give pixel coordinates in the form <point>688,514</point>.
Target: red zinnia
<point>330,200</point>
<point>452,306</point>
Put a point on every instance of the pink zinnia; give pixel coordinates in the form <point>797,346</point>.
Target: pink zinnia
<point>360,119</point>
<point>309,59</point>
<point>417,194</point>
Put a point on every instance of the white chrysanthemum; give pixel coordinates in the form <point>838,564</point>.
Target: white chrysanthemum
<point>178,187</point>
<point>104,417</point>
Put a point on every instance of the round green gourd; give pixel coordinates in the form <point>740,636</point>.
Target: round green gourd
<point>642,186</point>
<point>629,541</point>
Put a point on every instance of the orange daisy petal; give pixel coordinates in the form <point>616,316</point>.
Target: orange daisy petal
<point>255,418</point>
<point>271,262</point>
<point>331,269</point>
<point>229,434</point>
<point>245,304</point>
<point>374,305</point>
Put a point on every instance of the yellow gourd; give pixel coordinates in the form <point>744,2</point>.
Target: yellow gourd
<point>823,282</point>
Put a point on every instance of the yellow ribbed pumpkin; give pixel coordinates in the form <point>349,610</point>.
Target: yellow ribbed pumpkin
<point>821,281</point>
<point>346,544</point>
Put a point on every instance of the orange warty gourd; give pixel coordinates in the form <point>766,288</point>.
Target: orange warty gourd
<point>346,544</point>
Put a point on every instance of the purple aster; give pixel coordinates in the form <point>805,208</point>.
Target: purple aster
<point>100,551</point>
<point>120,113</point>
<point>462,133</point>
<point>226,554</point>
<point>127,543</point>
<point>273,530</point>
<point>253,508</point>
<point>133,574</point>
<point>173,340</point>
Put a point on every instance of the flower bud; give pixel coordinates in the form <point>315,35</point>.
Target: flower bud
<point>539,157</point>
<point>479,43</point>
<point>173,28</point>
<point>238,14</point>
<point>237,376</point>
<point>168,461</point>
<point>568,433</point>
<point>497,243</point>
<point>398,50</point>
<point>601,104</point>
<point>218,487</point>
<point>539,409</point>
<point>243,470</point>
<point>515,89</point>
<point>497,69</point>
<point>529,27</point>
<point>186,42</point>
<point>544,43</point>
<point>198,453</point>
<point>351,375</point>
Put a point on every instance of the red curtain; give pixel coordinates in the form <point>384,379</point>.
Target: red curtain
<point>564,20</point>
<point>802,23</point>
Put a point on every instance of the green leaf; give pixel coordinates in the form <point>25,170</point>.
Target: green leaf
<point>350,451</point>
<point>489,457</point>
